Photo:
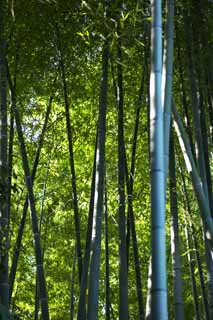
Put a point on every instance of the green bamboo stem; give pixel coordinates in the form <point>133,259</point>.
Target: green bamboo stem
<point>107,266</point>
<point>159,282</point>
<point>148,314</point>
<point>192,271</point>
<point>92,313</point>
<point>191,167</point>
<point>72,287</point>
<point>86,261</point>
<point>41,220</point>
<point>71,155</point>
<point>4,237</point>
<point>167,87</point>
<point>199,152</point>
<point>26,203</point>
<point>195,243</point>
<point>175,247</point>
<point>31,198</point>
<point>123,278</point>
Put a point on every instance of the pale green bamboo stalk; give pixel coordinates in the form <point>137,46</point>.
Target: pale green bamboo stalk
<point>159,282</point>
<point>149,288</point>
<point>191,167</point>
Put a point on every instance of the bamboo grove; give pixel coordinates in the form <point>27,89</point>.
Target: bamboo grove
<point>106,157</point>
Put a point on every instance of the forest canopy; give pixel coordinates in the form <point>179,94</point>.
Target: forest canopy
<point>106,159</point>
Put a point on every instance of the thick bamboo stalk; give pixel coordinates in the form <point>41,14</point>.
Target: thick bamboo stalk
<point>159,283</point>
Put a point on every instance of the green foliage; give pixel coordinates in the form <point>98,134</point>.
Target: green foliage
<point>32,45</point>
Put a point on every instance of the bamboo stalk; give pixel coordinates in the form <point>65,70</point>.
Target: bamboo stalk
<point>159,282</point>
<point>92,313</point>
<point>191,167</point>
<point>31,198</point>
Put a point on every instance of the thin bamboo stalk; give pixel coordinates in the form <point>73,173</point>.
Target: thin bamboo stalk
<point>191,167</point>
<point>107,267</point>
<point>41,219</point>
<point>4,238</point>
<point>192,272</point>
<point>24,211</point>
<point>123,278</point>
<point>92,313</point>
<point>71,155</point>
<point>86,260</point>
<point>31,198</point>
<point>175,250</point>
<point>191,227</point>
<point>72,287</point>
<point>167,87</point>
